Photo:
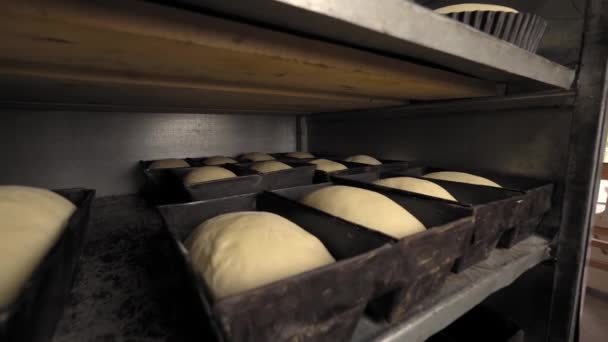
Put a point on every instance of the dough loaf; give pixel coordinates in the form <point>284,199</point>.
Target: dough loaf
<point>239,251</point>
<point>219,160</point>
<point>363,159</point>
<point>299,155</point>
<point>365,207</point>
<point>256,156</point>
<point>31,222</point>
<point>328,165</point>
<point>461,177</point>
<point>207,174</point>
<point>269,166</point>
<point>474,7</point>
<point>168,164</point>
<point>417,185</point>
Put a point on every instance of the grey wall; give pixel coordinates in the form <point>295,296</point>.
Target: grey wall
<point>100,150</point>
<point>519,142</point>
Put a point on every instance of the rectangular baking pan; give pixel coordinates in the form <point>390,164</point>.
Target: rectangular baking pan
<point>312,306</point>
<point>247,182</point>
<point>33,316</point>
<point>535,204</point>
<point>160,185</point>
<point>495,210</point>
<point>301,173</point>
<point>414,267</point>
<point>198,161</point>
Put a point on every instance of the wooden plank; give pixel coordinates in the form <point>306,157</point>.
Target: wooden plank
<point>599,264</point>
<point>600,230</point>
<point>605,171</point>
<point>139,43</point>
<point>602,244</point>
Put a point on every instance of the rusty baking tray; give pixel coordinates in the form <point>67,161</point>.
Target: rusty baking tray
<point>34,314</point>
<point>312,306</point>
<point>414,267</point>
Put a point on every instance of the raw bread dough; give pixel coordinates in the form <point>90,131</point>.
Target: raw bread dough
<point>168,164</point>
<point>257,156</point>
<point>206,174</point>
<point>417,185</point>
<point>243,250</point>
<point>269,166</point>
<point>299,155</point>
<point>365,207</point>
<point>363,159</point>
<point>328,165</point>
<point>31,221</point>
<point>462,177</point>
<point>219,160</point>
<point>474,7</point>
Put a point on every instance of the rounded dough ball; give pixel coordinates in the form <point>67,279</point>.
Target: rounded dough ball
<point>299,155</point>
<point>417,185</point>
<point>269,166</point>
<point>328,165</point>
<point>239,251</point>
<point>256,156</point>
<point>219,160</point>
<point>462,177</point>
<point>168,164</point>
<point>367,208</point>
<point>363,159</point>
<point>472,7</point>
<point>32,220</point>
<point>207,174</point>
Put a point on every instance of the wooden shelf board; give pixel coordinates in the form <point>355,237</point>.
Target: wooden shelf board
<point>131,43</point>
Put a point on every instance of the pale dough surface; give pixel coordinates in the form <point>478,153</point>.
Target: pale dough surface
<point>474,7</point>
<point>168,164</point>
<point>257,156</point>
<point>31,221</point>
<point>269,166</point>
<point>239,251</point>
<point>299,155</point>
<point>462,177</point>
<point>363,159</point>
<point>328,165</point>
<point>417,185</point>
<point>367,208</point>
<point>219,160</point>
<point>207,174</point>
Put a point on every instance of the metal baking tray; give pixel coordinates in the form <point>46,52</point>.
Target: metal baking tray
<point>247,182</point>
<point>160,185</point>
<point>312,306</point>
<point>301,173</point>
<point>414,267</point>
<point>198,161</point>
<point>34,314</point>
<point>531,210</point>
<point>495,210</point>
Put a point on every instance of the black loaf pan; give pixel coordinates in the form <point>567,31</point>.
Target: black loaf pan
<point>495,210</point>
<point>530,212</point>
<point>414,268</point>
<point>324,177</point>
<point>199,161</point>
<point>247,182</point>
<point>32,317</point>
<point>161,186</point>
<point>521,29</point>
<point>301,173</point>
<point>387,164</point>
<point>324,304</point>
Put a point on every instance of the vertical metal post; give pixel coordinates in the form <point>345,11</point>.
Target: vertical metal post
<point>584,162</point>
<point>302,133</point>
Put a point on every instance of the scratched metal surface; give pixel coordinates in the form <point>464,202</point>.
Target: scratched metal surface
<point>100,150</point>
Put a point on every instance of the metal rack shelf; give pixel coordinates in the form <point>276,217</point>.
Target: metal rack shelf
<point>401,28</point>
<point>133,53</point>
<point>460,294</point>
